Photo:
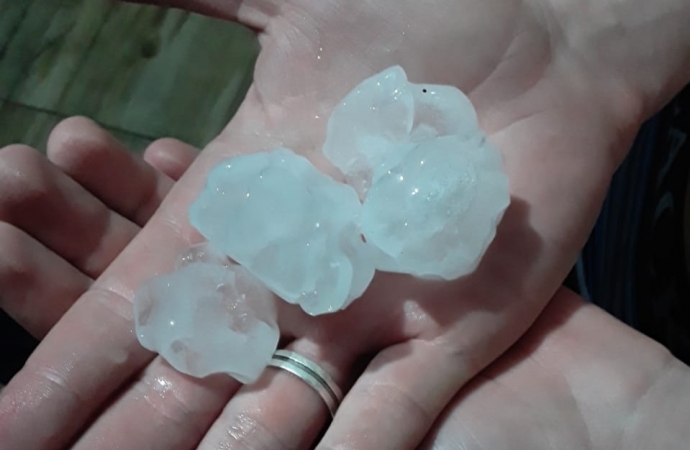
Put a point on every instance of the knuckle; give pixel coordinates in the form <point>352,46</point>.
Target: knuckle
<point>246,431</point>
<point>390,397</point>
<point>169,405</point>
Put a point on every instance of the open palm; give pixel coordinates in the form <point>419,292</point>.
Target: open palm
<point>560,95</point>
<point>577,379</point>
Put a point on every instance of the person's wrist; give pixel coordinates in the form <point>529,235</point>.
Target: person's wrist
<point>660,416</point>
<point>646,44</point>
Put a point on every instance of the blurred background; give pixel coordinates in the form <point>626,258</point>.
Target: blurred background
<point>144,72</point>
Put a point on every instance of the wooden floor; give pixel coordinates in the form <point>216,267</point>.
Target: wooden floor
<point>142,72</point>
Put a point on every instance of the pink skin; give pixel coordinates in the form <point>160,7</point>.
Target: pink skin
<point>91,176</point>
<point>577,379</point>
<point>560,86</point>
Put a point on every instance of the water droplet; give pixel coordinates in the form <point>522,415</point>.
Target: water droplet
<point>161,385</point>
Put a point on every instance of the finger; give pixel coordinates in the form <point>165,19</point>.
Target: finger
<point>36,286</point>
<point>406,384</point>
<point>280,410</point>
<point>163,409</point>
<point>92,351</point>
<point>254,14</point>
<point>96,160</point>
<point>58,212</point>
<point>171,157</point>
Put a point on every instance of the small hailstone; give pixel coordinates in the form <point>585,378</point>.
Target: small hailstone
<point>207,318</point>
<point>433,188</point>
<point>384,114</point>
<point>368,124</point>
<point>436,211</point>
<point>294,228</point>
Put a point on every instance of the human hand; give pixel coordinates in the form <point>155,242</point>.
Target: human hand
<point>92,191</point>
<point>577,379</point>
<point>553,101</point>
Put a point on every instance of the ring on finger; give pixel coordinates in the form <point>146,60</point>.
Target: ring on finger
<point>310,373</point>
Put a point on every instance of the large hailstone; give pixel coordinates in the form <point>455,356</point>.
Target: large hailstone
<point>433,187</point>
<point>291,226</point>
<point>209,316</point>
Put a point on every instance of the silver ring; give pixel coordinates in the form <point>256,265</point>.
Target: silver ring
<point>309,372</point>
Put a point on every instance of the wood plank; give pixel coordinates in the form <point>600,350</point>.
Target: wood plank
<point>22,125</point>
<point>163,72</point>
<point>42,44</point>
<point>25,125</point>
<point>133,142</point>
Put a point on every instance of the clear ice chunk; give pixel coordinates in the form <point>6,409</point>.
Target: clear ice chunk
<point>442,111</point>
<point>207,318</point>
<point>435,212</point>
<point>433,188</point>
<point>293,227</point>
<point>383,114</point>
<point>368,124</point>
<point>425,189</point>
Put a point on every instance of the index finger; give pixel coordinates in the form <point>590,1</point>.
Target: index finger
<point>93,350</point>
